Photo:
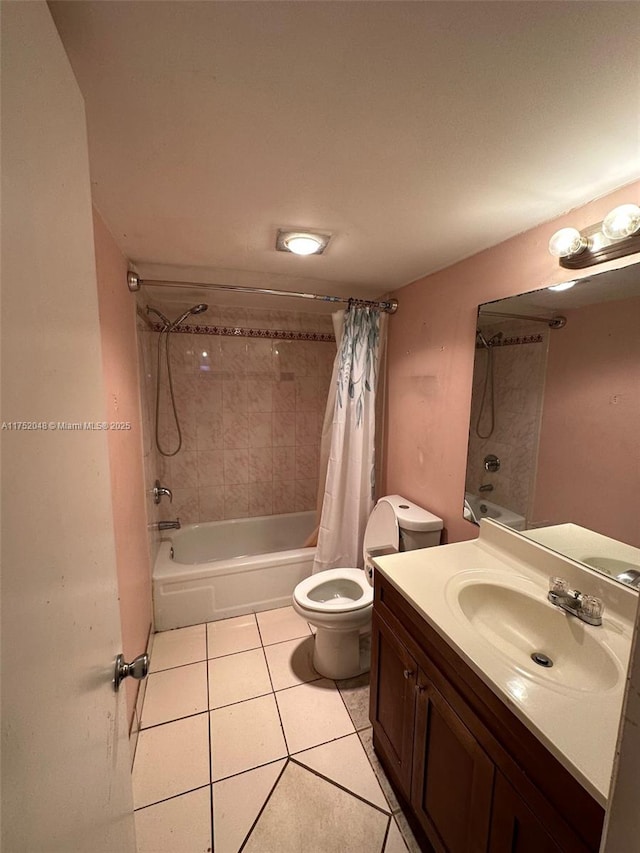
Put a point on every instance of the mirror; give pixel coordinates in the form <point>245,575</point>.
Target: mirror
<point>554,437</point>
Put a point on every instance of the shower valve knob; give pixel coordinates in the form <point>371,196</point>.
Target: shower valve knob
<point>491,463</point>
<point>159,491</point>
<point>138,668</point>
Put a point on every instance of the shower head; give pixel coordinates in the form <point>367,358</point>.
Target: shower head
<point>195,309</point>
<point>492,340</point>
<point>151,310</point>
<point>482,339</point>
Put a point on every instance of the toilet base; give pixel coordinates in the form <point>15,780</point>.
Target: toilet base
<point>341,654</point>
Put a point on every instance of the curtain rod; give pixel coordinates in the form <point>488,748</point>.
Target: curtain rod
<point>134,283</point>
<point>553,323</point>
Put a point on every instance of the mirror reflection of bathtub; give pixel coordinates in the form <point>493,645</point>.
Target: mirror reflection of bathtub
<point>476,508</point>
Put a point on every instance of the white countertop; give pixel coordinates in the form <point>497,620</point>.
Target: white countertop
<point>577,724</point>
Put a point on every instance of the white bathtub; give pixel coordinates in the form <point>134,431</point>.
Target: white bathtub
<point>218,569</point>
<point>477,507</point>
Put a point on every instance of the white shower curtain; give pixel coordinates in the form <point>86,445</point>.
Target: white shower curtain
<point>349,490</point>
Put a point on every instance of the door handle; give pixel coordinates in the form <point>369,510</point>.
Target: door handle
<point>138,669</point>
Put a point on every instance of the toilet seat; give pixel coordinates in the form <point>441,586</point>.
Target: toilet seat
<point>335,591</point>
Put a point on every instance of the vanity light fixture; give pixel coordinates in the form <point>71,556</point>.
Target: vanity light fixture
<point>616,236</point>
<point>301,242</point>
<point>621,222</point>
<point>566,243</point>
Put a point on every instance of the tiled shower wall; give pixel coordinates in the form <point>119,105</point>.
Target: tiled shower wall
<point>519,372</point>
<point>250,413</point>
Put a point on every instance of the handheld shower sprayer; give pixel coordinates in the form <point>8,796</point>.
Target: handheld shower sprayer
<point>168,327</point>
<point>195,309</point>
<point>165,320</point>
<point>488,383</point>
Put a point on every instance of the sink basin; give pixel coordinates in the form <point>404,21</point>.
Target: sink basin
<point>519,624</point>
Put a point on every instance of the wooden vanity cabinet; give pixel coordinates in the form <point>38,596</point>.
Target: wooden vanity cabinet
<point>514,827</point>
<point>474,779</point>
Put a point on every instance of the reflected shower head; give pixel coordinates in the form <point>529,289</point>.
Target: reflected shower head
<point>492,340</point>
<point>195,309</point>
<point>482,339</point>
<point>164,319</point>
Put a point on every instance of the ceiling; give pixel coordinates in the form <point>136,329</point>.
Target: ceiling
<point>416,133</point>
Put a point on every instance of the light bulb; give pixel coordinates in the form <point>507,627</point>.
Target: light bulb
<point>567,242</point>
<point>621,222</point>
<point>564,286</point>
<point>302,245</point>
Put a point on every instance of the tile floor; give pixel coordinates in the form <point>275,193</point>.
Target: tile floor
<point>244,747</point>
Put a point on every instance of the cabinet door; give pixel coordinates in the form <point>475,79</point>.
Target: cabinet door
<point>452,779</point>
<point>393,699</point>
<point>516,829</point>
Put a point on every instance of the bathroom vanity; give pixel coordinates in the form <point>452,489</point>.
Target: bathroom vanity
<point>487,750</point>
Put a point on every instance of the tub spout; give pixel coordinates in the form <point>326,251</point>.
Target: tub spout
<point>168,525</point>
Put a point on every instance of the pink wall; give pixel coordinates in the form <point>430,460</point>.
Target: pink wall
<point>431,352</point>
<point>117,311</point>
<point>591,393</point>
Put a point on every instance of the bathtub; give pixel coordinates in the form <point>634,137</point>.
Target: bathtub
<point>477,507</point>
<point>218,569</point>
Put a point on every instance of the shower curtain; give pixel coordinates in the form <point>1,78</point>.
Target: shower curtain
<point>349,490</point>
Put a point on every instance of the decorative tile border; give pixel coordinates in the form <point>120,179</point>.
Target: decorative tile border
<point>241,332</point>
<point>517,341</point>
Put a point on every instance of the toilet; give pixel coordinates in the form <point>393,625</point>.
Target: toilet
<point>339,602</point>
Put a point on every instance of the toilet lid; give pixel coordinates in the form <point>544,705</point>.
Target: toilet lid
<point>382,532</point>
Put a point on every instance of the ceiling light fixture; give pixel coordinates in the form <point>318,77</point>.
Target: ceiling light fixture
<point>616,236</point>
<point>301,242</point>
<point>566,285</point>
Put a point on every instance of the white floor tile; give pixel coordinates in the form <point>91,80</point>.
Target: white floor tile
<point>395,841</point>
<point>175,693</point>
<point>344,761</point>
<point>232,635</point>
<point>282,624</point>
<point>170,760</point>
<point>181,824</point>
<point>235,678</point>
<point>290,663</point>
<point>175,648</point>
<point>245,736</point>
<point>312,714</point>
<point>237,802</point>
<point>305,813</point>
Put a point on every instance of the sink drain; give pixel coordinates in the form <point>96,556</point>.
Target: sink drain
<point>541,660</point>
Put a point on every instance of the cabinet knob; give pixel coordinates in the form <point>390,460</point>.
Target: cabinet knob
<point>420,688</point>
<point>408,673</point>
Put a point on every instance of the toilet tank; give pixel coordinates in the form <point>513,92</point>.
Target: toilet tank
<point>419,528</point>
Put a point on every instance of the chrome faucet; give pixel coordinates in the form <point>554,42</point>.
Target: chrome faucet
<point>169,525</point>
<point>630,576</point>
<point>159,491</point>
<point>588,608</point>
